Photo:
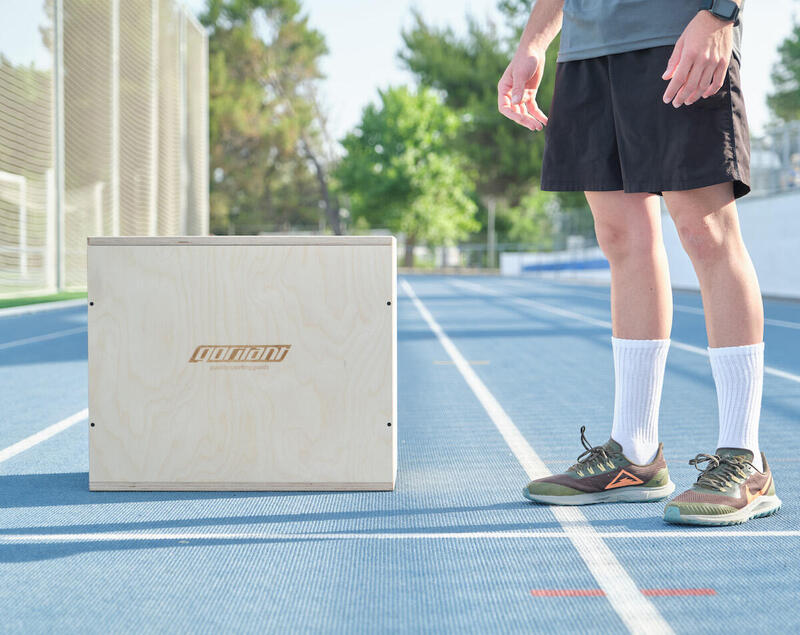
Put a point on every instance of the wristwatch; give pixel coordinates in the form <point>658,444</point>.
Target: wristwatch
<point>726,10</point>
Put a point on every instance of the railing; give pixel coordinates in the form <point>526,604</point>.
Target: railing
<point>775,160</point>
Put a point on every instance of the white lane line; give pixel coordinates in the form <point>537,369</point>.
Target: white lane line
<point>453,535</point>
<point>43,435</point>
<point>683,308</point>
<point>473,286</point>
<point>42,338</point>
<point>637,612</point>
<point>39,307</point>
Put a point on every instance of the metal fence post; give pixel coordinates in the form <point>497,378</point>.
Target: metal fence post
<point>183,209</point>
<point>114,194</point>
<point>58,107</point>
<point>152,212</point>
<point>490,233</point>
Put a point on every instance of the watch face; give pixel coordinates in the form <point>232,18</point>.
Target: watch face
<point>726,9</point>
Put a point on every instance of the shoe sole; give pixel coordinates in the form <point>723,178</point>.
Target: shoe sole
<point>761,507</point>
<point>629,494</point>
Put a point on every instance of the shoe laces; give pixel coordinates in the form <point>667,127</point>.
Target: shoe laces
<point>720,471</point>
<point>592,455</point>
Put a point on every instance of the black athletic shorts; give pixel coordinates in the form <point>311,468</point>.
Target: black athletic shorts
<point>609,129</point>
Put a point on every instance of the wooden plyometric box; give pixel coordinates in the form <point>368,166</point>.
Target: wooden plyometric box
<point>236,363</point>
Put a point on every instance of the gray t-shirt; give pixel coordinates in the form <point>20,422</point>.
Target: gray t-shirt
<point>592,28</point>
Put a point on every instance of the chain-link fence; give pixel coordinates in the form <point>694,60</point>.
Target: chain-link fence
<point>103,131</point>
<point>775,160</point>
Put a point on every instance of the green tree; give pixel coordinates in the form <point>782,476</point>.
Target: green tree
<point>784,102</point>
<point>402,171</point>
<point>266,167</point>
<point>507,157</point>
<point>531,221</point>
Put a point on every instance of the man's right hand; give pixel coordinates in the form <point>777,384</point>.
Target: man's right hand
<point>516,91</point>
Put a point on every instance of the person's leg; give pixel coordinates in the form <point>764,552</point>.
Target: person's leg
<point>628,230</point>
<point>708,226</point>
<point>630,466</point>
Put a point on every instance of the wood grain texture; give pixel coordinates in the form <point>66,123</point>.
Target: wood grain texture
<point>316,420</point>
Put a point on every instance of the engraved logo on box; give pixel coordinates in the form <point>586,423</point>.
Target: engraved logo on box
<point>242,353</point>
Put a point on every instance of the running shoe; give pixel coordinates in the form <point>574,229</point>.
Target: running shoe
<point>729,491</point>
<point>603,474</point>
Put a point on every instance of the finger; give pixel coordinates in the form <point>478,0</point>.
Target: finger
<point>702,85</point>
<point>674,59</point>
<point>518,90</point>
<point>523,117</point>
<point>504,97</point>
<point>511,112</point>
<point>537,112</point>
<point>534,109</point>
<point>679,77</point>
<point>717,80</point>
<point>530,118</point>
<point>514,112</point>
<point>521,76</point>
<point>689,86</point>
<point>504,90</point>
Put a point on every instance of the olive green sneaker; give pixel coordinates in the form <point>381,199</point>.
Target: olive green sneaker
<point>603,475</point>
<point>729,491</point>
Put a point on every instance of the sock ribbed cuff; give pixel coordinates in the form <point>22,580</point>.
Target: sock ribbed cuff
<point>739,376</point>
<point>638,381</point>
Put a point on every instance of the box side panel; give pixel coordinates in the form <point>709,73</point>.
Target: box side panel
<point>242,365</point>
<point>94,287</point>
<point>395,423</point>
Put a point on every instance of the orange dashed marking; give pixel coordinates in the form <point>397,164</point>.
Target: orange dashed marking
<point>677,592</point>
<point>572,593</point>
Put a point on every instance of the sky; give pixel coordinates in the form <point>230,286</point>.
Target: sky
<point>364,37</point>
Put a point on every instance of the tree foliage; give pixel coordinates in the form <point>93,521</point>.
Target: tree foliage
<point>507,156</point>
<point>784,102</point>
<point>263,62</point>
<point>402,170</point>
<point>530,222</point>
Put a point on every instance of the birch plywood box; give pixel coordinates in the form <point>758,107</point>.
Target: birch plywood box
<point>263,363</point>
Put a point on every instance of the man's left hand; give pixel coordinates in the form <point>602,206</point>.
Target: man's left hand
<point>699,60</point>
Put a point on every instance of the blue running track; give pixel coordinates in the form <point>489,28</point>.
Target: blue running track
<point>455,548</point>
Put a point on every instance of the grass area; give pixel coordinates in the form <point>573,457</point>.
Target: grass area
<point>36,299</point>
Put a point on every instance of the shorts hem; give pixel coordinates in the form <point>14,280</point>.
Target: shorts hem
<point>574,186</point>
<point>740,186</point>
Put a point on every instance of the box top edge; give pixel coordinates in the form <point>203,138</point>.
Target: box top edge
<point>239,240</point>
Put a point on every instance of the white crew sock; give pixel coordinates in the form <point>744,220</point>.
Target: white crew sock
<point>739,375</point>
<point>638,379</point>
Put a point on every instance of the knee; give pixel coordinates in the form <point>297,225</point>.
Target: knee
<point>620,241</point>
<point>702,236</point>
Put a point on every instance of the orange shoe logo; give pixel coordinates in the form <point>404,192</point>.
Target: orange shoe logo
<point>622,479</point>
<point>751,497</point>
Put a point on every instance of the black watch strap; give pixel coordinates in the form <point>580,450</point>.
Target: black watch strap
<point>723,9</point>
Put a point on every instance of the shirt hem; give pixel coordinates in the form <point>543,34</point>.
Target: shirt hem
<point>622,47</point>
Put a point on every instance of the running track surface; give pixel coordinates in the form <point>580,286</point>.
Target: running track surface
<point>496,376</point>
